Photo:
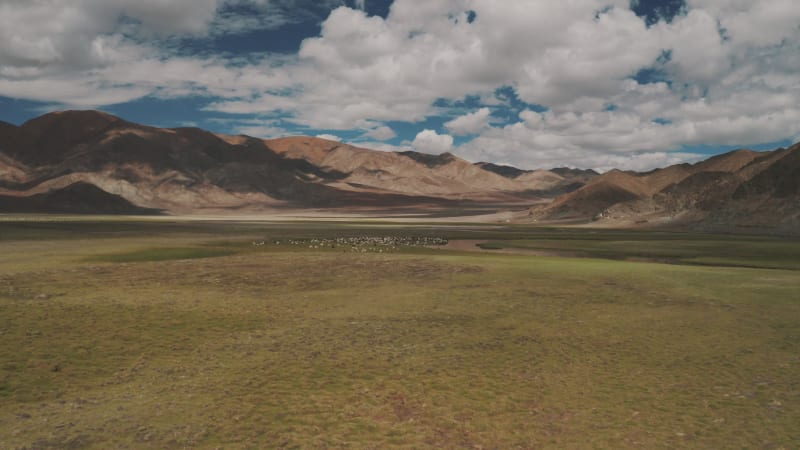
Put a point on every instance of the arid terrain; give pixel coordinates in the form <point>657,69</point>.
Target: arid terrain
<point>746,189</point>
<point>193,171</point>
<point>92,162</point>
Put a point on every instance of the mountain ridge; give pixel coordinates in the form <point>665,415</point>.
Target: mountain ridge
<point>190,171</point>
<point>738,189</point>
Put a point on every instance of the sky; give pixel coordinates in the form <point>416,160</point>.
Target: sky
<point>531,83</point>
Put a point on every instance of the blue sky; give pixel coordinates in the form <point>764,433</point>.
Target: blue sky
<point>533,83</point>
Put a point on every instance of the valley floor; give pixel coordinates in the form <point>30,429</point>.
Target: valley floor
<point>166,333</point>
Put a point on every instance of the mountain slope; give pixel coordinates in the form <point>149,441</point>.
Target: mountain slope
<point>187,170</point>
<point>179,170</point>
<point>78,198</point>
<point>506,171</point>
<point>740,188</point>
<point>602,192</point>
<point>89,161</point>
<point>409,173</point>
<point>781,179</point>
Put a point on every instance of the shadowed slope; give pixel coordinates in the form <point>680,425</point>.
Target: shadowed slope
<point>740,188</point>
<point>189,170</point>
<point>506,171</point>
<point>78,198</point>
<point>781,179</point>
<point>181,170</point>
<point>409,173</point>
<point>602,192</point>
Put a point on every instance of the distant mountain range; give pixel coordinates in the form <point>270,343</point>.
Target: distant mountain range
<point>92,162</point>
<point>188,170</point>
<point>740,189</point>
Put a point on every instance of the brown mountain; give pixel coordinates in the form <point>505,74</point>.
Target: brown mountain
<point>602,192</point>
<point>743,188</point>
<point>188,170</point>
<point>78,198</point>
<point>409,173</point>
<point>545,183</point>
<point>506,171</point>
<point>177,170</point>
<point>92,162</point>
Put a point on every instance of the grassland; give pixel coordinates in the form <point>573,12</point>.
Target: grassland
<point>157,334</point>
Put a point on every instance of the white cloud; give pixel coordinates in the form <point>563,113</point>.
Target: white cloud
<point>159,16</point>
<point>330,137</point>
<point>733,67</point>
<point>754,24</point>
<point>57,34</point>
<point>381,133</point>
<point>698,53</point>
<point>80,93</point>
<point>429,141</point>
<point>622,139</point>
<point>471,123</point>
<point>570,61</point>
<point>591,140</point>
<point>383,146</point>
<point>262,131</point>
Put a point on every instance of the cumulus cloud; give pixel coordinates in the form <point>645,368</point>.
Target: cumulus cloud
<point>52,33</point>
<point>471,123</point>
<point>598,140</point>
<point>260,130</point>
<point>99,52</point>
<point>383,146</point>
<point>381,133</point>
<point>330,137</point>
<point>429,141</point>
<point>726,71</point>
<point>568,59</point>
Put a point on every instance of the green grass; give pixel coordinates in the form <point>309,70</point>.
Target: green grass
<point>725,250</point>
<point>164,254</point>
<point>279,347</point>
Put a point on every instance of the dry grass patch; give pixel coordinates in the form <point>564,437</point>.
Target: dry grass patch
<point>278,348</point>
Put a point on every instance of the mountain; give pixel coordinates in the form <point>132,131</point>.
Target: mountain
<point>189,170</point>
<point>602,192</point>
<point>742,188</point>
<point>545,183</point>
<point>93,162</point>
<point>569,172</point>
<point>177,170</point>
<point>444,176</point>
<point>506,171</point>
<point>78,198</point>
